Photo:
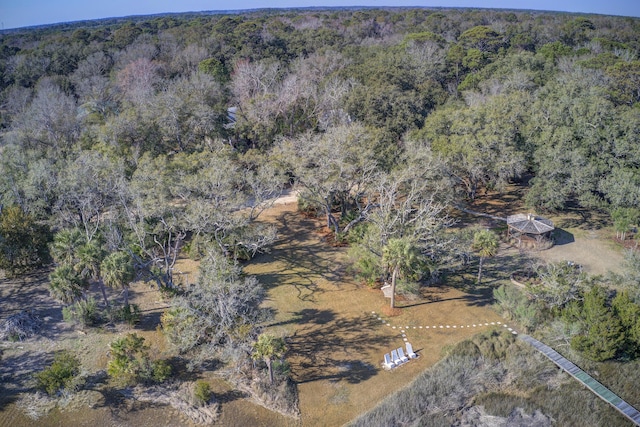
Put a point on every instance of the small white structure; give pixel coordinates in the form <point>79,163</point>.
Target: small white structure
<point>386,290</point>
<point>401,355</point>
<point>396,359</point>
<point>388,363</point>
<point>410,352</point>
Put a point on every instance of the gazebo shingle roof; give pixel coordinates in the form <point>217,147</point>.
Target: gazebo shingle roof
<point>529,224</point>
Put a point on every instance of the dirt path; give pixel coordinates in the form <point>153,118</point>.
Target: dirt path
<point>592,249</point>
<point>582,236</point>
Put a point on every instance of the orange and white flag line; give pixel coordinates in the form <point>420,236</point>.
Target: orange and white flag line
<point>404,329</point>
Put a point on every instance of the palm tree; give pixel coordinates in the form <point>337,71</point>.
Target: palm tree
<point>400,255</point>
<point>65,284</point>
<point>267,348</point>
<point>117,272</point>
<point>90,255</point>
<point>65,246</point>
<point>485,243</point>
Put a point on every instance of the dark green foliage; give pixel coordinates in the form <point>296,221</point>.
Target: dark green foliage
<point>23,242</point>
<point>131,364</point>
<point>365,265</point>
<point>216,68</point>
<point>628,312</point>
<point>66,285</point>
<point>128,313</point>
<point>481,38</point>
<point>555,50</point>
<point>623,218</point>
<point>602,336</point>
<point>60,374</point>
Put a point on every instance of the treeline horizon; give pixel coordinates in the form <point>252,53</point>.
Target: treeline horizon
<point>110,20</point>
<point>342,102</point>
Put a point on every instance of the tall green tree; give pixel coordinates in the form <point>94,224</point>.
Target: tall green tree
<point>401,257</point>
<point>66,285</point>
<point>628,312</point>
<point>603,334</point>
<point>623,218</point>
<point>485,244</point>
<point>66,245</point>
<point>90,256</point>
<point>267,348</point>
<point>118,272</point>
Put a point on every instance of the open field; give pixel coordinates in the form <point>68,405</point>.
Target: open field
<point>336,344</point>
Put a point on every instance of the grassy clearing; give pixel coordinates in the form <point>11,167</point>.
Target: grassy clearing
<point>336,345</point>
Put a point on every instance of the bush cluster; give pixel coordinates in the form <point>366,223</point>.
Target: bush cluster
<point>60,374</point>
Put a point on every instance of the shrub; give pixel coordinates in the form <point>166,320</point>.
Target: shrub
<point>514,305</point>
<point>83,312</point>
<point>365,264</point>
<point>160,371</point>
<point>201,392</point>
<point>60,374</point>
<point>408,288</point>
<point>127,313</point>
<point>19,326</point>
<point>357,233</point>
<point>130,362</point>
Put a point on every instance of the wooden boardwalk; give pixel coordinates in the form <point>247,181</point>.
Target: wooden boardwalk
<point>601,391</point>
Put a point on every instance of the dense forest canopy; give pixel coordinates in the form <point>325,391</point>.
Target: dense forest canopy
<point>126,144</point>
<point>150,132</point>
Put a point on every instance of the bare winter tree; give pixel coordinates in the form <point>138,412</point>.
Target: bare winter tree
<point>333,168</point>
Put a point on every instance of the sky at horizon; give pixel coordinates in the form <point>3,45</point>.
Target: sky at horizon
<point>24,13</point>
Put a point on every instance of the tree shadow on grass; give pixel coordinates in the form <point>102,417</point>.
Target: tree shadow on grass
<point>229,396</point>
<point>149,319</point>
<point>478,296</point>
<point>303,256</point>
<point>576,216</point>
<point>327,347</point>
<point>562,237</point>
<point>28,292</point>
<point>16,374</point>
<point>307,316</point>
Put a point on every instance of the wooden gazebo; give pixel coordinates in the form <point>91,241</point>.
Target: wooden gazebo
<point>529,228</point>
